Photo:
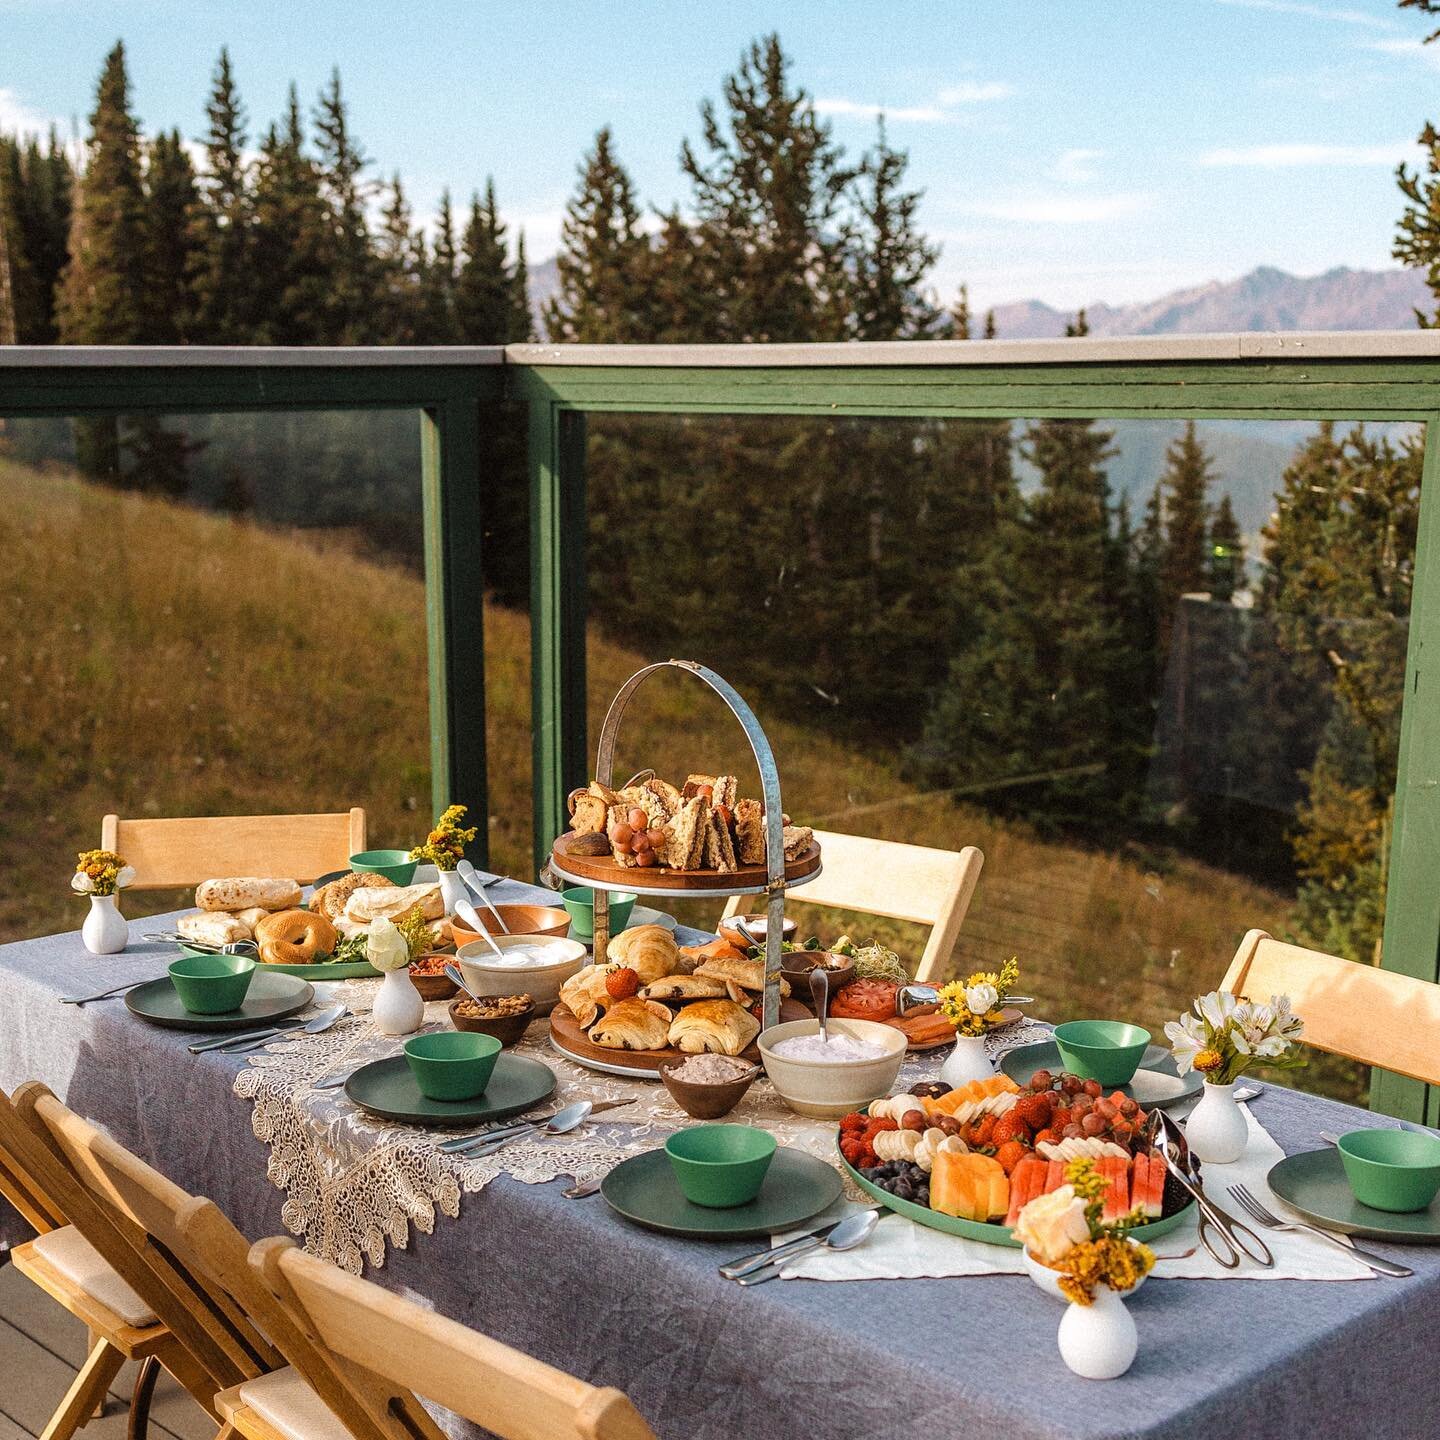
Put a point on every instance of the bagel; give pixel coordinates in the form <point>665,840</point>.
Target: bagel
<point>330,899</point>
<point>295,937</point>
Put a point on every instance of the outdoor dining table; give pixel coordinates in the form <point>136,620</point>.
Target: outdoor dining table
<point>570,1282</point>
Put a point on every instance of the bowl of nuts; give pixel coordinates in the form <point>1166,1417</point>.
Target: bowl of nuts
<point>428,973</point>
<point>503,1016</point>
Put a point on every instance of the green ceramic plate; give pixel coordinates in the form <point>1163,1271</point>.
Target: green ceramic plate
<point>323,970</point>
<point>796,1187</point>
<point>1315,1185</point>
<point>271,997</point>
<point>387,1088</point>
<point>978,1230</point>
<point>1169,1087</point>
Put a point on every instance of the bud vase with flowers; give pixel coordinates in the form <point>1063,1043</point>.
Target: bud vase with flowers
<point>102,874</point>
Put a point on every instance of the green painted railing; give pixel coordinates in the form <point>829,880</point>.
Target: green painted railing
<point>1310,377</point>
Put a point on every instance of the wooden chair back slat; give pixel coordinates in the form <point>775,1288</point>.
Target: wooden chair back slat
<point>509,1393</point>
<point>899,881</point>
<point>1376,1016</point>
<point>39,1210</point>
<point>170,853</point>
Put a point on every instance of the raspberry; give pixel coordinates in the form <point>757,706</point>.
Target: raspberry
<point>854,1121</point>
<point>621,983</point>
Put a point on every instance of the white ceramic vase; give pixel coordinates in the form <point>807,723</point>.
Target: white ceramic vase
<point>966,1062</point>
<point>1098,1341</point>
<point>452,888</point>
<point>399,1010</point>
<point>1047,1278</point>
<point>1217,1130</point>
<point>104,931</point>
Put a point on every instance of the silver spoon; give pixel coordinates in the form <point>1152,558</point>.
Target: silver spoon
<point>561,1123</point>
<point>322,1022</point>
<point>471,877</point>
<point>853,1230</point>
<point>456,976</point>
<point>471,916</point>
<point>820,998</point>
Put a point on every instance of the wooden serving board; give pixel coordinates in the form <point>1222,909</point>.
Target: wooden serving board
<point>1008,1016</point>
<point>569,1039</point>
<point>602,871</point>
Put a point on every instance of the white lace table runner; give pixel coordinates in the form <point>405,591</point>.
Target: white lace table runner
<point>354,1183</point>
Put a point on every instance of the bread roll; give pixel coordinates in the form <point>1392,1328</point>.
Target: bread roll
<point>251,917</point>
<point>213,927</point>
<point>363,906</point>
<point>245,893</point>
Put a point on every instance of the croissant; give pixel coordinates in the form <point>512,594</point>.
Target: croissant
<point>632,1024</point>
<point>688,987</point>
<point>739,971</point>
<point>649,950</point>
<point>585,995</point>
<point>720,1026</point>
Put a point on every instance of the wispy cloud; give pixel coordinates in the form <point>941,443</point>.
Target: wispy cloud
<point>19,117</point>
<point>1315,12</point>
<point>1304,155</point>
<point>1063,209</point>
<point>1077,167</point>
<point>945,107</point>
<point>1408,50</point>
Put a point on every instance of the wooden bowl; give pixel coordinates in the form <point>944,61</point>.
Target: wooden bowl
<point>434,987</point>
<point>705,1102</point>
<point>507,1029</point>
<point>547,920</point>
<point>731,931</point>
<point>796,965</point>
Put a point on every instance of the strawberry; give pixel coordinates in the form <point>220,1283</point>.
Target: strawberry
<point>985,1129</point>
<point>1035,1110</point>
<point>1053,1136</point>
<point>1010,1155</point>
<point>1061,1117</point>
<point>1010,1126</point>
<point>855,1120</point>
<point>622,982</point>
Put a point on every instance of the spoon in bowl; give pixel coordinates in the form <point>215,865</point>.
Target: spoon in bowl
<point>471,876</point>
<point>820,998</point>
<point>471,916</point>
<point>853,1230</point>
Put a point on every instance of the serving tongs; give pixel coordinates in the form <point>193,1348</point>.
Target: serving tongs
<point>1216,1228</point>
<point>233,947</point>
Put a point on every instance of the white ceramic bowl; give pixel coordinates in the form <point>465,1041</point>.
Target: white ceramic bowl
<point>831,1088</point>
<point>1048,1280</point>
<point>486,976</point>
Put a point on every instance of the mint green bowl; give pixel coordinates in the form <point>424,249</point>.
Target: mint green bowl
<point>1109,1051</point>
<point>212,984</point>
<point>720,1166</point>
<point>1395,1170</point>
<point>395,865</point>
<point>452,1064</point>
<point>579,903</point>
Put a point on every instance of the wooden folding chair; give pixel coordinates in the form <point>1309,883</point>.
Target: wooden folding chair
<point>1375,1016</point>
<point>398,1350</point>
<point>901,882</point>
<point>83,1263</point>
<point>214,1342</point>
<point>168,854</point>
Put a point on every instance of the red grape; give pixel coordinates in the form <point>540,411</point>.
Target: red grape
<point>638,818</point>
<point>644,858</point>
<point>1092,1124</point>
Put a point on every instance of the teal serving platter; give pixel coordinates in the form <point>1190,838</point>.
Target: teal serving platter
<point>796,1188</point>
<point>1167,1087</point>
<point>1314,1185</point>
<point>271,997</point>
<point>387,1088</point>
<point>322,970</point>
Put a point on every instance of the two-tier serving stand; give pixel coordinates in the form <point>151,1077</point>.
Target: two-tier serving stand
<point>772,880</point>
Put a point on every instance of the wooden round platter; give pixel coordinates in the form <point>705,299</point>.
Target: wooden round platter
<point>602,872</point>
<point>1008,1016</point>
<point>570,1040</point>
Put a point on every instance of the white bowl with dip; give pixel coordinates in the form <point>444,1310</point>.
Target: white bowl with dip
<point>858,1065</point>
<point>532,965</point>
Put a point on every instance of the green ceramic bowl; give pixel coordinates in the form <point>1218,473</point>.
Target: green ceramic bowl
<point>212,984</point>
<point>452,1064</point>
<point>395,865</point>
<point>1105,1050</point>
<point>579,902</point>
<point>1396,1170</point>
<point>720,1165</point>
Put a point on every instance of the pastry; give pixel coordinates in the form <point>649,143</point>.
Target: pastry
<point>585,995</point>
<point>669,797</point>
<point>685,848</point>
<point>681,988</point>
<point>741,971</point>
<point>719,853</point>
<point>243,894</point>
<point>750,832</point>
<point>330,899</point>
<point>720,1026</point>
<point>213,927</point>
<point>587,812</point>
<point>797,840</point>
<point>365,905</point>
<point>649,950</point>
<point>634,1024</point>
<point>295,937</point>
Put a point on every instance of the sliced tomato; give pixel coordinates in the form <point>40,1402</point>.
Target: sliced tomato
<point>865,1000</point>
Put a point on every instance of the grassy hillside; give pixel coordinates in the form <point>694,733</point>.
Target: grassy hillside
<point>161,661</point>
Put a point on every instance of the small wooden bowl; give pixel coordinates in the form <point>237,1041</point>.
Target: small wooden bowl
<point>796,965</point>
<point>434,987</point>
<point>705,1102</point>
<point>507,1029</point>
<point>542,920</point>
<point>731,931</point>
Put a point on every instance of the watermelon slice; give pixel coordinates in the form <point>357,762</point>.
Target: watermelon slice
<point>1153,1196</point>
<point>1054,1176</point>
<point>1025,1184</point>
<point>1112,1170</point>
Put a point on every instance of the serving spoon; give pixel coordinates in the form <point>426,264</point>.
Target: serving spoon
<point>471,916</point>
<point>820,998</point>
<point>471,876</point>
<point>853,1230</point>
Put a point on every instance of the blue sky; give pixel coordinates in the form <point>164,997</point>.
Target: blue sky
<point>1070,151</point>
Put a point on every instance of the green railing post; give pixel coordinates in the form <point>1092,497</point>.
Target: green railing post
<point>452,481</point>
<point>557,613</point>
<point>1412,910</point>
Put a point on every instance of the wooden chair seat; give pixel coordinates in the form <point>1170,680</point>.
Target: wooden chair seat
<point>65,1260</point>
<point>279,1406</point>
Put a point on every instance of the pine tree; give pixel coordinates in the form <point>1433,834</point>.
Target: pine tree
<point>353,278</point>
<point>223,221</point>
<point>1183,564</point>
<point>1417,241</point>
<point>1226,564</point>
<point>485,301</point>
<point>604,293</point>
<point>960,315</point>
<point>437,288</point>
<point>990,330</point>
<point>20,311</point>
<point>522,318</point>
<point>681,308</point>
<point>170,198</point>
<point>403,265</point>
<point>44,204</point>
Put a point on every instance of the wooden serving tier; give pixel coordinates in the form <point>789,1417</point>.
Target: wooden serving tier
<point>570,1040</point>
<point>602,872</point>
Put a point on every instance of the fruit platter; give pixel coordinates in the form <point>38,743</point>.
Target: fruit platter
<point>967,1161</point>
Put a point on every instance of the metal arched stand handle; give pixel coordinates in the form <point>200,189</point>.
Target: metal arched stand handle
<point>774,826</point>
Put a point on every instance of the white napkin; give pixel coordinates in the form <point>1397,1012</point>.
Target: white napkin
<point>900,1250</point>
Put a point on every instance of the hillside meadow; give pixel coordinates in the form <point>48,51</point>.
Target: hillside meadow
<point>158,660</point>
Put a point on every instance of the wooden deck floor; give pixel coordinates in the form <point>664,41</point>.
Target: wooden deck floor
<point>41,1346</point>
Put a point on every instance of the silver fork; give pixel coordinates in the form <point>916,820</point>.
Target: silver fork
<point>1262,1216</point>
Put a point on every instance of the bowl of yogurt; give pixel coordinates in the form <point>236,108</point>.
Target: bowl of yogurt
<point>828,1078</point>
<point>536,964</point>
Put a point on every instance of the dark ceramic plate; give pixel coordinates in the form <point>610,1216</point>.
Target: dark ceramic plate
<point>270,997</point>
<point>387,1088</point>
<point>1315,1185</point>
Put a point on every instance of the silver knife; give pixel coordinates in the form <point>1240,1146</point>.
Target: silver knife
<point>317,1025</point>
<point>494,1132</point>
<point>748,1264</point>
<point>230,1038</point>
